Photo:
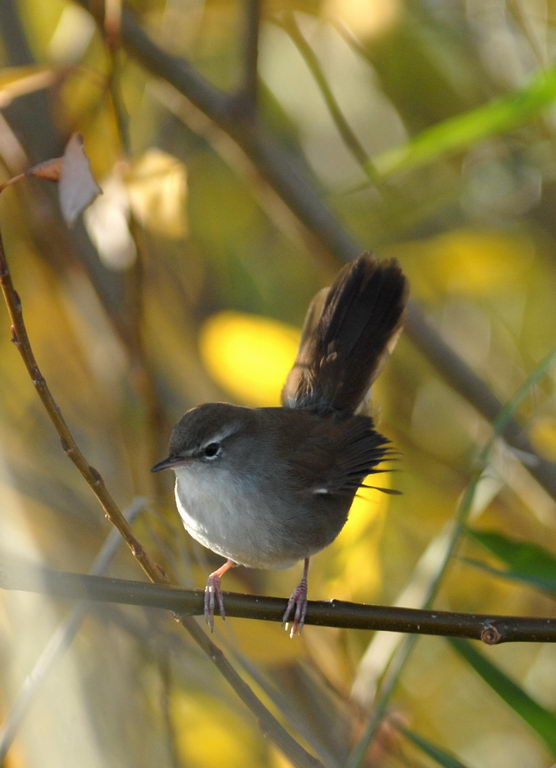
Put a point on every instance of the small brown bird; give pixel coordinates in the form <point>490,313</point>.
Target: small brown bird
<point>266,487</point>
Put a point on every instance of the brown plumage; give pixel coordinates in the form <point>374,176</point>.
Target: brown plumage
<point>266,487</point>
<point>351,328</point>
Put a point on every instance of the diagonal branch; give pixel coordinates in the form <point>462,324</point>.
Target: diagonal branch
<point>92,477</point>
<point>344,128</point>
<point>270,725</point>
<point>282,171</point>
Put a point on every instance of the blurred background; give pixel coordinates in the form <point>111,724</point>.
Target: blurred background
<point>422,130</point>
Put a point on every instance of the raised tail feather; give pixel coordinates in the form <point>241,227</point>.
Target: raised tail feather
<point>350,329</point>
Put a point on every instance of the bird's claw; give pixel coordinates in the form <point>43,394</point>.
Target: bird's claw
<point>213,595</point>
<point>296,610</point>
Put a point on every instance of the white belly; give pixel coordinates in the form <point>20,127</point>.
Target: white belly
<point>226,524</point>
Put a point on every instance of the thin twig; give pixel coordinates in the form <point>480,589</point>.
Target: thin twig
<point>491,629</point>
<point>134,282</point>
<point>111,33</point>
<point>344,129</point>
<point>69,445</point>
<point>156,429</point>
<point>283,174</point>
<point>525,20</point>
<point>475,390</point>
<point>267,721</point>
<point>249,91</point>
<point>166,679</point>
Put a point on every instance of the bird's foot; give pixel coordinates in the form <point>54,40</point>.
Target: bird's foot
<point>213,594</point>
<point>296,609</point>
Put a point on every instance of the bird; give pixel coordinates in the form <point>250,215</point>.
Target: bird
<point>269,487</point>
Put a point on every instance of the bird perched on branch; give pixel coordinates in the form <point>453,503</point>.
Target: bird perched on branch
<point>267,487</point>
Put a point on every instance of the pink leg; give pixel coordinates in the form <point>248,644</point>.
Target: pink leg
<point>297,604</point>
<point>213,593</point>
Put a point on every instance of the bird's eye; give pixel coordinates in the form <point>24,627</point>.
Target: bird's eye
<point>211,450</point>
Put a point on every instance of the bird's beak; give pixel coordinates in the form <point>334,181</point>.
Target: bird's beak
<point>169,463</point>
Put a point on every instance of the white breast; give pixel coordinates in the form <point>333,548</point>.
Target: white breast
<point>226,523</point>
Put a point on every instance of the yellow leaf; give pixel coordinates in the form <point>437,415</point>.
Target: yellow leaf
<point>157,187</point>
<point>248,355</point>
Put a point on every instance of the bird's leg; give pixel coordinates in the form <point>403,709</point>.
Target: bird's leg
<point>297,604</point>
<point>213,593</point>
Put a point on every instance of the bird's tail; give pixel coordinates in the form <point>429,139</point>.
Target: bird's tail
<point>349,331</point>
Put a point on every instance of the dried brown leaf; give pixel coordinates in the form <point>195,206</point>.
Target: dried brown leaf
<point>50,170</point>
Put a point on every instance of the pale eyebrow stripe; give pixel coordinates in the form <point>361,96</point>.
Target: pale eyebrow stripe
<point>227,431</point>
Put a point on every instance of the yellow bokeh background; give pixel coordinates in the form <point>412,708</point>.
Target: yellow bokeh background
<point>249,356</point>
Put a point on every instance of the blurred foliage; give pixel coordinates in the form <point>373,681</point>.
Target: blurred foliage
<point>187,281</point>
<point>525,561</point>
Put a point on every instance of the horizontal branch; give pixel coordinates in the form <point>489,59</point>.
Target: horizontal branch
<point>490,628</point>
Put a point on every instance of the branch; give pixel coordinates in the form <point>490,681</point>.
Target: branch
<point>474,389</point>
<point>92,477</point>
<point>270,725</point>
<point>348,136</point>
<point>154,421</point>
<point>282,172</point>
<point>492,629</point>
<point>249,90</point>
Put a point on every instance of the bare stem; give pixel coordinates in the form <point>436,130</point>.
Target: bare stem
<point>135,276</point>
<point>344,129</point>
<point>156,430</point>
<point>269,724</point>
<point>491,629</point>
<point>251,28</point>
<point>91,475</point>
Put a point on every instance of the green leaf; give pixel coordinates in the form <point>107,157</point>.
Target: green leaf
<point>438,754</point>
<point>457,133</point>
<point>539,719</point>
<point>526,561</point>
<point>509,575</point>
